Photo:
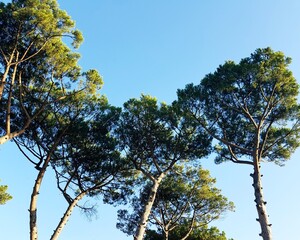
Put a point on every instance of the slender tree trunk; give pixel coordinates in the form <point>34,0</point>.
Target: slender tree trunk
<point>33,205</point>
<point>3,80</point>
<point>66,216</point>
<point>141,229</point>
<point>167,235</point>
<point>7,68</point>
<point>6,137</point>
<point>36,190</point>
<point>9,100</point>
<point>263,217</point>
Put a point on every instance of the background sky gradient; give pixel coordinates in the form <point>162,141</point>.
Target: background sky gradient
<point>155,47</point>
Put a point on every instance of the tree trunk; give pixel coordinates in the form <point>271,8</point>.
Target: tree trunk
<point>141,229</point>
<point>4,77</point>
<point>66,216</point>
<point>36,190</point>
<point>263,217</point>
<point>167,235</point>
<point>33,205</point>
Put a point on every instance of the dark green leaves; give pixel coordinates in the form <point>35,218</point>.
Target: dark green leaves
<point>188,197</point>
<point>36,65</point>
<point>155,136</point>
<point>186,200</point>
<point>248,105</point>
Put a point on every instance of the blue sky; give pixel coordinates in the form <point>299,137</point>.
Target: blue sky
<point>155,47</point>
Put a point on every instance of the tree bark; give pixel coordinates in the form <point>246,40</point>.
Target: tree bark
<point>141,229</point>
<point>4,77</point>
<point>166,235</point>
<point>263,217</point>
<point>33,205</point>
<point>66,216</point>
<point>36,190</point>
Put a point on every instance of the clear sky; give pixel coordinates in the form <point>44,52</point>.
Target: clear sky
<point>155,47</point>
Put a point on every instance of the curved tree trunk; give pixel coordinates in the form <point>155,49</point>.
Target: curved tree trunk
<point>141,229</point>
<point>263,217</point>
<point>66,216</point>
<point>191,227</point>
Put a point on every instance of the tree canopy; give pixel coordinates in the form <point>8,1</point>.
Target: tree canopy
<point>35,62</point>
<point>248,105</point>
<point>74,137</point>
<point>147,153</point>
<point>251,109</point>
<point>186,201</point>
<point>154,138</point>
<point>203,233</point>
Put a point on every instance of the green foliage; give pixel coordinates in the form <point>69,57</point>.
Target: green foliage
<point>187,193</point>
<point>4,196</point>
<point>186,201</point>
<point>33,27</point>
<point>76,134</point>
<point>88,155</point>
<point>203,233</point>
<point>154,137</point>
<point>47,103</point>
<point>246,106</point>
<point>93,82</point>
<point>74,137</point>
<point>37,67</point>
